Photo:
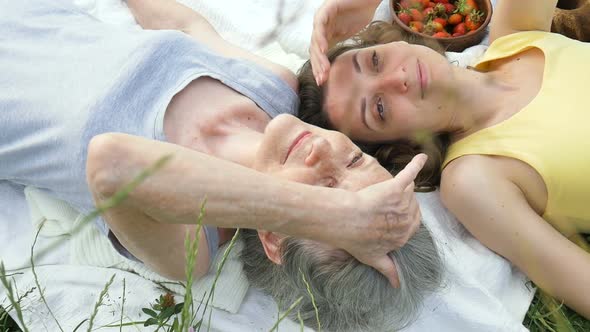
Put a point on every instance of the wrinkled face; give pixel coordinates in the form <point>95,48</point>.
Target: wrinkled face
<point>386,92</point>
<point>297,151</point>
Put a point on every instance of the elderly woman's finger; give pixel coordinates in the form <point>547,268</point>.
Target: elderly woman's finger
<point>386,266</point>
<point>409,173</point>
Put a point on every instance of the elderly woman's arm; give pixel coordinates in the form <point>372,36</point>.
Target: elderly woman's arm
<point>495,211</point>
<point>171,15</point>
<point>523,15</point>
<point>368,223</point>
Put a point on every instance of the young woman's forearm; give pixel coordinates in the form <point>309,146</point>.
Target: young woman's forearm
<point>235,196</point>
<point>523,15</point>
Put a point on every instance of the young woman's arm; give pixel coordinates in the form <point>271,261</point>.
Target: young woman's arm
<point>497,213</point>
<point>335,21</point>
<point>511,16</point>
<point>368,223</point>
<point>171,15</point>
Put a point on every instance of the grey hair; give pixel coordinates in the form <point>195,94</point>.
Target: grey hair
<point>349,295</point>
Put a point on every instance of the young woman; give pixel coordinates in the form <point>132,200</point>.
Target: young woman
<point>514,171</point>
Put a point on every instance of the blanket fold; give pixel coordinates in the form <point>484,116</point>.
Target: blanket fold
<point>89,247</point>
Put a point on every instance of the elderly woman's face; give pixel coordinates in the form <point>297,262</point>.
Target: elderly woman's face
<point>297,151</point>
<point>385,92</point>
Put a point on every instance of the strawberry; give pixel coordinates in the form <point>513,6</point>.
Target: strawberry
<point>465,7</point>
<point>460,28</point>
<point>474,20</point>
<point>418,4</point>
<point>432,27</point>
<point>416,15</point>
<point>417,26</point>
<point>431,4</point>
<point>436,26</point>
<point>450,8</point>
<point>440,1</point>
<point>427,12</point>
<point>457,34</point>
<point>439,9</point>
<point>440,21</point>
<point>404,16</point>
<point>404,4</point>
<point>455,19</point>
<point>441,34</point>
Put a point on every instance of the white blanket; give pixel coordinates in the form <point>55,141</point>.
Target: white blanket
<point>483,292</point>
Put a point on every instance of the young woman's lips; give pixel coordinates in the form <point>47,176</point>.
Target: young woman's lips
<point>296,143</point>
<point>422,78</point>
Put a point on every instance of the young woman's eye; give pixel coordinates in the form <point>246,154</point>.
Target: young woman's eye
<point>380,108</point>
<point>375,60</point>
<point>355,159</point>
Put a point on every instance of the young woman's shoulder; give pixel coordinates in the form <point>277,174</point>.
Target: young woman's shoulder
<point>469,171</point>
<point>469,181</point>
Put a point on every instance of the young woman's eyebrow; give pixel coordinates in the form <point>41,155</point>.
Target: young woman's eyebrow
<point>355,62</point>
<point>363,113</point>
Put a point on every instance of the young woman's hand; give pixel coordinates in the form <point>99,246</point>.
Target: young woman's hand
<point>335,21</point>
<point>391,215</point>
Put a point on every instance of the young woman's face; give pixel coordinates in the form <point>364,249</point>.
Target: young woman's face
<point>386,92</point>
<point>297,151</point>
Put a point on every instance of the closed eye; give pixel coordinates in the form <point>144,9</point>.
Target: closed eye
<point>356,159</point>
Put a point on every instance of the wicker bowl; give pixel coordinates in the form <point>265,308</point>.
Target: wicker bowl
<point>453,44</point>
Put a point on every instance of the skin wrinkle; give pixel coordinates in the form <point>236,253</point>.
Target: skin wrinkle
<point>350,295</point>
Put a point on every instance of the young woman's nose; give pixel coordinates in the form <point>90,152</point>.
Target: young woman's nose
<point>393,80</point>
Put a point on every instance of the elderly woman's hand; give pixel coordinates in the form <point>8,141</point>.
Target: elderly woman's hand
<point>392,216</point>
<point>335,21</point>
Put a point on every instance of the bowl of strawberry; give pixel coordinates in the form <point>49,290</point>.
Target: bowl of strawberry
<point>455,24</point>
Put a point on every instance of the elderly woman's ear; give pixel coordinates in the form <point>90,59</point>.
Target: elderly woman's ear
<point>271,242</point>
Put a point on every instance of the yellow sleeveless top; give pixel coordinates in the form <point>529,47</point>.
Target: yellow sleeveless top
<point>552,133</point>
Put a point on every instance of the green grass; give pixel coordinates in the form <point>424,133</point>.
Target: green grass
<point>547,315</point>
<point>539,318</point>
<point>7,323</point>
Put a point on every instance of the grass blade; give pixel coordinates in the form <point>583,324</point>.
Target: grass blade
<point>286,313</point>
<point>36,278</point>
<point>11,296</point>
<point>191,249</point>
<point>99,302</point>
<point>315,308</point>
<point>218,273</point>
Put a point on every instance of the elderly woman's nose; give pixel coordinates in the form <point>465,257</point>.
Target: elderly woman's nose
<point>320,152</point>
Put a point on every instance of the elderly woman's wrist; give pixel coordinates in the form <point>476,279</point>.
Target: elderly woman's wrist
<point>319,214</point>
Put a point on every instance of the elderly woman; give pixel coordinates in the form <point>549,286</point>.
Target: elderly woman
<point>188,88</point>
<point>85,107</point>
<point>516,123</point>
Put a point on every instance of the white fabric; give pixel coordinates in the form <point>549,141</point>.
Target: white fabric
<point>483,292</point>
<point>88,246</point>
